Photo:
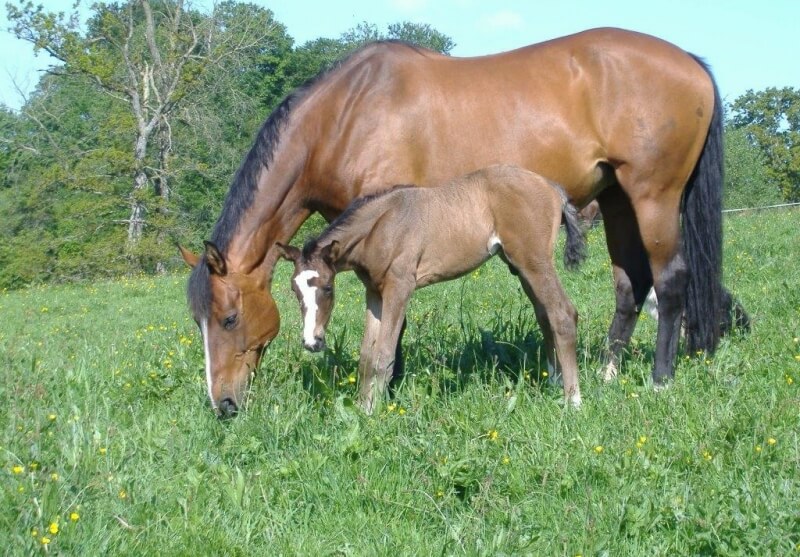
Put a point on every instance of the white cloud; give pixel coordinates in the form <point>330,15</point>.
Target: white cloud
<point>505,20</point>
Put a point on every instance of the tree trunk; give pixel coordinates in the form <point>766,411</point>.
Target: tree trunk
<point>136,221</point>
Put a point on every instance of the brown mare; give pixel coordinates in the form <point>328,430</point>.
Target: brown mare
<point>609,114</point>
<point>408,238</point>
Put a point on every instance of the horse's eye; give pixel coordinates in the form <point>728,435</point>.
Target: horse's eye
<point>229,322</point>
<point>327,289</point>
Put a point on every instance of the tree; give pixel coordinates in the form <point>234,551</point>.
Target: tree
<point>320,54</point>
<point>151,56</point>
<point>747,179</point>
<point>771,121</point>
<point>421,34</point>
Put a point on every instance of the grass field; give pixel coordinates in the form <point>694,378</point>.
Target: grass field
<point>108,445</point>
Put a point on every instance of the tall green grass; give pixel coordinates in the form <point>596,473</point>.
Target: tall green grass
<point>108,445</point>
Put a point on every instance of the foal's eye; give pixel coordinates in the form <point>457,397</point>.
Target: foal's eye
<point>327,289</point>
<point>229,322</point>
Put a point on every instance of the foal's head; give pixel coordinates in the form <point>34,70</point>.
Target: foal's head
<point>312,283</point>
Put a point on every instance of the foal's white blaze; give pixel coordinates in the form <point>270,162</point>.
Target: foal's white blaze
<point>309,302</point>
<point>204,332</point>
<point>494,244</point>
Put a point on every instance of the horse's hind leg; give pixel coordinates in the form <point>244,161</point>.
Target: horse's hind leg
<point>631,270</point>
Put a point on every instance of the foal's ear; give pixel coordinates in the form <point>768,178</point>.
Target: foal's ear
<point>215,260</point>
<point>288,252</point>
<point>330,252</point>
<point>190,258</point>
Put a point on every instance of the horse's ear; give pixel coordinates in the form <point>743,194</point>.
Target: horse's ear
<point>330,252</point>
<point>190,258</point>
<point>215,260</point>
<point>288,252</point>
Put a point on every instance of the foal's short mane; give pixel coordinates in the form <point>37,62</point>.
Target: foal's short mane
<point>347,216</point>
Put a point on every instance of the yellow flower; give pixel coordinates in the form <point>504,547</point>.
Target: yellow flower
<point>53,528</point>
<point>51,417</point>
<point>351,378</point>
<point>74,517</point>
<point>598,449</point>
<point>545,374</point>
<point>18,469</point>
<point>103,450</point>
<point>401,411</point>
<point>35,533</point>
<point>54,476</point>
<point>122,494</point>
<point>758,448</point>
<point>392,407</point>
<point>33,465</point>
<point>506,460</point>
<point>707,455</point>
<point>45,540</point>
<point>492,434</point>
<point>771,441</point>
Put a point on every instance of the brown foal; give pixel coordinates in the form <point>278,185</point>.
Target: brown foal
<point>410,237</point>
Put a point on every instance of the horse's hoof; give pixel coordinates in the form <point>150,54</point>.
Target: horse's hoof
<point>610,372</point>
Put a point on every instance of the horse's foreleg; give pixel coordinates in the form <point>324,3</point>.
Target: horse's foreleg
<point>631,271</point>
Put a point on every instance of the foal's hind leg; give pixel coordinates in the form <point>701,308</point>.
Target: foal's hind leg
<point>557,317</point>
<point>631,270</point>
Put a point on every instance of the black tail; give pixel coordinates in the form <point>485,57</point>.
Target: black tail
<point>575,248</point>
<point>702,237</point>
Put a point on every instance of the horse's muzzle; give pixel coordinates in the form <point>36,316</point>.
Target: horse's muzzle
<point>227,409</point>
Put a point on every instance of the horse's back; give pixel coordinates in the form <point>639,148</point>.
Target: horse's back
<point>408,115</point>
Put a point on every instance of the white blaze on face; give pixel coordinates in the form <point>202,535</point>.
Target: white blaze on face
<point>204,331</point>
<point>309,295</point>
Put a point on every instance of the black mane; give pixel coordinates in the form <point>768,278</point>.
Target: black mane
<point>245,182</point>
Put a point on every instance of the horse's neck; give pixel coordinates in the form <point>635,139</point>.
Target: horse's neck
<point>275,214</point>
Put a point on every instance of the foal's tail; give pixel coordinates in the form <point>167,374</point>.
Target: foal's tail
<point>575,249</point>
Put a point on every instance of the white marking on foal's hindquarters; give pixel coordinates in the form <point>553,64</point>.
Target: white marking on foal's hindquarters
<point>494,244</point>
<point>309,302</point>
<point>207,351</point>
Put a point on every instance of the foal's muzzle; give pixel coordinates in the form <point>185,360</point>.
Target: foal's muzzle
<point>319,345</point>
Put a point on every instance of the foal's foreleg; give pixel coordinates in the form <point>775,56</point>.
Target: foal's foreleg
<point>378,355</point>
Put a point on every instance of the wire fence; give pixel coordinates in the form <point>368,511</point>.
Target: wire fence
<point>745,209</point>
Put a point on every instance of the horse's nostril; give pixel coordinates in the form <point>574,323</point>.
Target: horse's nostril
<point>227,408</point>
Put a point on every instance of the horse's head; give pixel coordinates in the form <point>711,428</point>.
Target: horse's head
<point>312,283</point>
<point>237,318</point>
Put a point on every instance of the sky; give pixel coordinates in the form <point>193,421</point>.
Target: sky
<point>749,45</point>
